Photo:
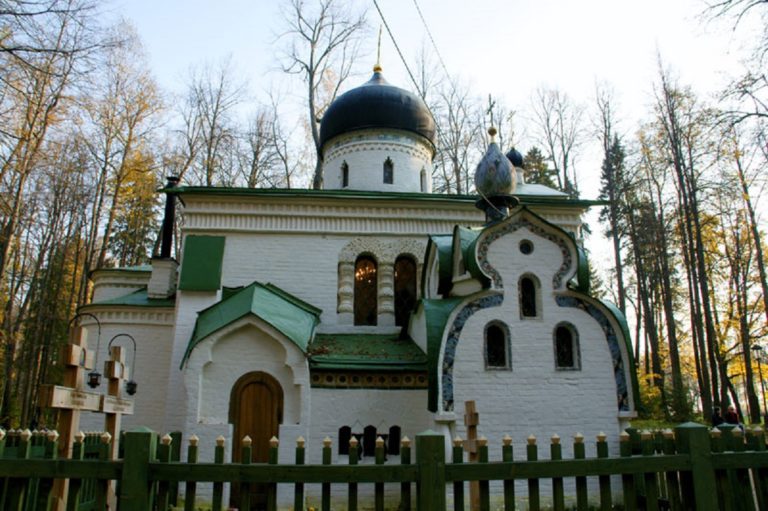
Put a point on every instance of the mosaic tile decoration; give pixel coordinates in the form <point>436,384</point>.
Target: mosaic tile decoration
<point>485,243</point>
<point>622,396</point>
<point>449,352</point>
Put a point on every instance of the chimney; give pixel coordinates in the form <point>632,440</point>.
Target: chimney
<point>169,218</point>
<point>162,282</point>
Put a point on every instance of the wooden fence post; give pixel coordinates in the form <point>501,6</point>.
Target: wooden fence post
<point>378,488</point>
<point>579,453</point>
<point>484,487</point>
<point>274,444</point>
<point>218,488</point>
<point>693,440</point>
<point>190,488</point>
<point>325,497</point>
<point>135,488</point>
<point>532,454</point>
<point>298,492</point>
<point>405,488</point>
<point>430,457</point>
<point>558,494</point>
<point>627,480</point>
<point>458,486</point>
<point>509,484</point>
<point>352,488</point>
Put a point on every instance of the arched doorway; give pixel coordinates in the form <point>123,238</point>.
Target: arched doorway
<point>256,410</point>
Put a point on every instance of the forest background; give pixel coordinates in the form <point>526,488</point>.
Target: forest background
<point>87,136</point>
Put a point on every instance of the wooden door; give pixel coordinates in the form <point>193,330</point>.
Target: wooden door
<point>256,410</point>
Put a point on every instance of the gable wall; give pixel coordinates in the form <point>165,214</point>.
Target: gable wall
<point>534,397</point>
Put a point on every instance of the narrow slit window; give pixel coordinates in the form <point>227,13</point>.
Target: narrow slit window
<point>389,171</point>
<point>528,297</point>
<point>344,175</point>
<point>423,179</point>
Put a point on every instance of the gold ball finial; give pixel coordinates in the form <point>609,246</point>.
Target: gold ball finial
<point>492,131</point>
<point>377,68</point>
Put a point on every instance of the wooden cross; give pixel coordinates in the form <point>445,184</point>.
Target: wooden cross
<point>72,398</point>
<point>113,404</point>
<point>471,420</point>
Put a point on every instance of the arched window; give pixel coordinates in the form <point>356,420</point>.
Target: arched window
<point>345,435</point>
<point>566,347</point>
<point>497,346</point>
<point>344,175</point>
<point>369,440</point>
<point>389,172</point>
<point>423,179</point>
<point>393,442</point>
<point>528,289</point>
<point>405,289</point>
<point>366,290</point>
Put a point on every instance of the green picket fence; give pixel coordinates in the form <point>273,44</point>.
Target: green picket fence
<point>688,468</point>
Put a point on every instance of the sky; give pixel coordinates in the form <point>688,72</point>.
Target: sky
<point>506,48</point>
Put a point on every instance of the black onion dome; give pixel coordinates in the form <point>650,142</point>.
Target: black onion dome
<point>514,156</point>
<point>377,104</point>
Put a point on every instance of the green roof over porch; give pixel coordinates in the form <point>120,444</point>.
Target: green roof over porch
<point>288,314</point>
<point>381,352</point>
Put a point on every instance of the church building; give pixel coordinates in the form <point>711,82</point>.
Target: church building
<point>371,308</point>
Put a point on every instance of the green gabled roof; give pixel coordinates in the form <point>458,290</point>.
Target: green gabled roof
<point>583,284</point>
<point>443,244</point>
<point>291,316</point>
<point>468,240</point>
<point>436,313</point>
<point>387,352</point>
<point>137,298</point>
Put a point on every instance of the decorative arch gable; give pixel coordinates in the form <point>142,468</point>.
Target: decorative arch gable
<point>523,218</point>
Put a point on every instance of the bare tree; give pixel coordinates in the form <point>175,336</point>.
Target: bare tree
<point>259,156</point>
<point>458,114</point>
<point>613,182</point>
<point>558,128</point>
<point>213,93</point>
<point>322,46</point>
<point>42,52</point>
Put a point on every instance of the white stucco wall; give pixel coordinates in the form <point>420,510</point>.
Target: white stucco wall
<point>365,152</point>
<point>534,397</point>
<point>152,329</point>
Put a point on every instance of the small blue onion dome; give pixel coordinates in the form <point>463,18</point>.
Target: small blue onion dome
<point>494,176</point>
<point>514,156</point>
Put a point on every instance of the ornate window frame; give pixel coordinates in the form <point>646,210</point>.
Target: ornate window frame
<point>385,252</point>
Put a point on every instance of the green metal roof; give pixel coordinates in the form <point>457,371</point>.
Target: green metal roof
<point>529,194</point>
<point>201,263</point>
<point>291,316</point>
<point>621,319</point>
<point>444,247</point>
<point>365,352</point>
<point>137,298</point>
<point>437,313</point>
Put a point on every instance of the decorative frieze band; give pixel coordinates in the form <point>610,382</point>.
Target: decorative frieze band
<point>368,380</point>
